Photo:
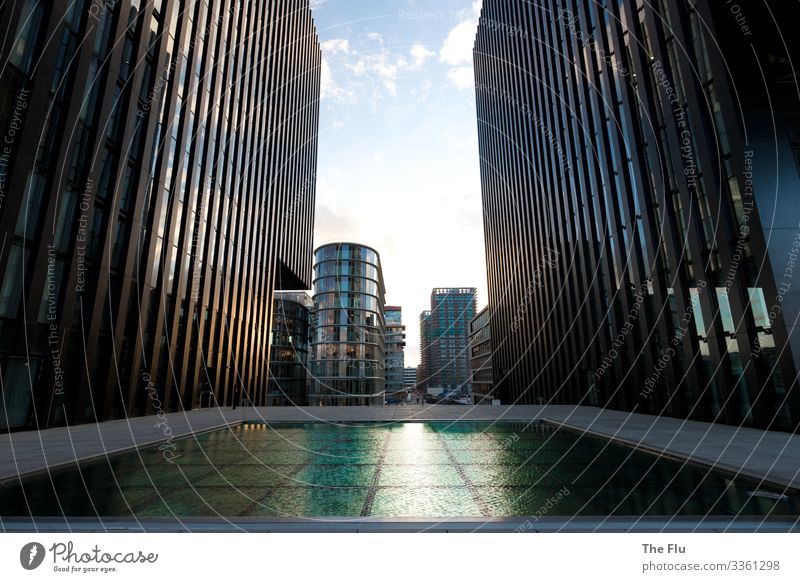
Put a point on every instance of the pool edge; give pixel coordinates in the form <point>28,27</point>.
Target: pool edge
<point>579,524</point>
<point>727,470</point>
<point>113,452</point>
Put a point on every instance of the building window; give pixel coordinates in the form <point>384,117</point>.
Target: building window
<point>11,291</point>
<point>27,35</point>
<point>28,218</point>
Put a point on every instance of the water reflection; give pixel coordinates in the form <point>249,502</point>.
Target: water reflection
<point>405,469</point>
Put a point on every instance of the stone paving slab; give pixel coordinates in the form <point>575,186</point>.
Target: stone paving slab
<point>768,455</point>
<point>30,452</point>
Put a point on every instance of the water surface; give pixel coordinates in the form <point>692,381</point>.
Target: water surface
<point>435,469</point>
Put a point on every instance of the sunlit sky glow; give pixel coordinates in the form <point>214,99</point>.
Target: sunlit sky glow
<point>398,148</point>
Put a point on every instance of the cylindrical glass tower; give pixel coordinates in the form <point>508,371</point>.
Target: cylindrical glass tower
<point>347,355</point>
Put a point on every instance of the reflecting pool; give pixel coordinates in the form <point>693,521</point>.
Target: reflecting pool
<point>434,469</point>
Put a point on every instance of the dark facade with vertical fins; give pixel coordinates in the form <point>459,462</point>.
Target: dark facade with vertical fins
<point>159,186</point>
<point>640,242</point>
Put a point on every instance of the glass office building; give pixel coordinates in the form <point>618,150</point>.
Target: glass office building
<point>290,341</point>
<point>156,185</point>
<point>639,168</point>
<point>452,309</point>
<point>348,345</point>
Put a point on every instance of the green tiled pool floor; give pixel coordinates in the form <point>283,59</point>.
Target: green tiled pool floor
<point>435,469</point>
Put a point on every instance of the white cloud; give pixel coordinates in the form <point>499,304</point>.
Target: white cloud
<point>328,85</point>
<point>421,92</point>
<point>329,88</point>
<point>462,77</point>
<point>380,68</point>
<point>420,54</point>
<point>457,47</point>
<point>384,67</point>
<point>376,36</point>
<point>335,46</point>
<point>363,70</point>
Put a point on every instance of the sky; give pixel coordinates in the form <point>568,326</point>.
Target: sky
<point>398,166</point>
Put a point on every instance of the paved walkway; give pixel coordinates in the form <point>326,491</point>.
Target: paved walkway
<point>33,451</point>
<point>772,456</point>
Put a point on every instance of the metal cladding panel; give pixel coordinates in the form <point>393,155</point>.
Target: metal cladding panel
<point>159,188</point>
<point>633,258</point>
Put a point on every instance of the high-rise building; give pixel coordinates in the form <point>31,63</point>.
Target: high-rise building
<point>395,343</point>
<point>348,349</point>
<point>452,308</point>
<point>410,378</point>
<point>639,168</point>
<point>424,368</point>
<point>289,346</point>
<point>480,358</point>
<point>158,179</point>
